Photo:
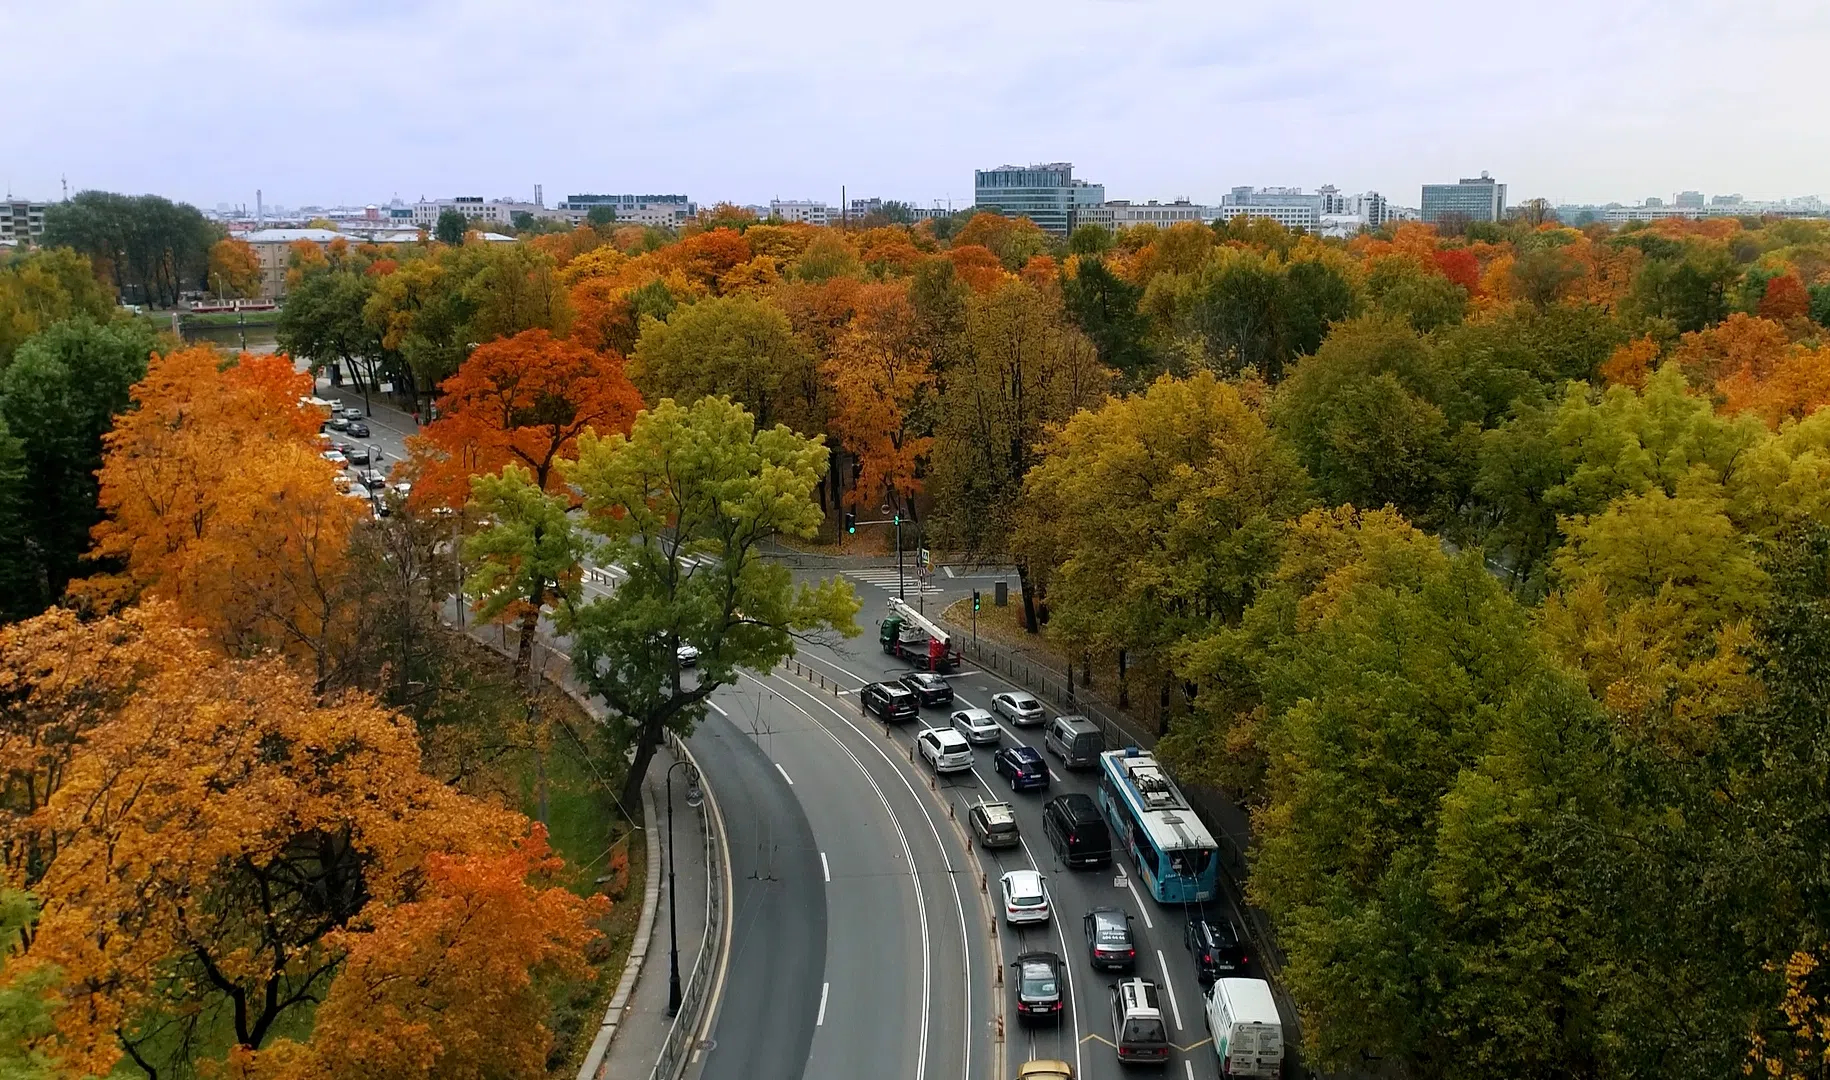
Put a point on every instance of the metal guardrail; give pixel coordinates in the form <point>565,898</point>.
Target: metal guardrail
<point>694,998</point>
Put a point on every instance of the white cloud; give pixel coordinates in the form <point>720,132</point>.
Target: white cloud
<point>344,100</point>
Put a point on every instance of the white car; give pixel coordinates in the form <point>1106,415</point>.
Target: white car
<point>978,726</point>
<point>945,749</point>
<point>335,458</point>
<point>1025,897</point>
<point>688,654</point>
<point>1020,708</point>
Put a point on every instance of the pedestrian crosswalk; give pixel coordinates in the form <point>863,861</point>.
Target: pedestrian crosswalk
<point>886,580</point>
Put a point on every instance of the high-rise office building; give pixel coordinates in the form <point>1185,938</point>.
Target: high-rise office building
<point>1045,194</point>
<point>1479,198</point>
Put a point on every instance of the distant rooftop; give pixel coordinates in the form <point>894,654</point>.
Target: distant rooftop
<point>287,236</point>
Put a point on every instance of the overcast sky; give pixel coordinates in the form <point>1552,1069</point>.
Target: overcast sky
<point>354,101</point>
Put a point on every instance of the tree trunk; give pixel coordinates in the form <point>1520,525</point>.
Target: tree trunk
<point>1029,598</point>
<point>646,742</point>
<point>524,656</point>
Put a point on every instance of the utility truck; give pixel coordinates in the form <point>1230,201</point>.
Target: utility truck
<point>912,636</point>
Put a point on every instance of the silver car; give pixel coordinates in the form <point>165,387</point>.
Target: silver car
<point>978,726</point>
<point>1019,707</point>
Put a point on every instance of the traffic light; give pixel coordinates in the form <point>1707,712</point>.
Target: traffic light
<point>975,599</point>
<point>851,522</point>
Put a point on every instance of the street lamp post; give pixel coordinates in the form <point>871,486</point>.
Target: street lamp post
<point>693,798</point>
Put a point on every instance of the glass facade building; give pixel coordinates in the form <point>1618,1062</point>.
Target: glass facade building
<point>1478,199</point>
<point>1045,194</point>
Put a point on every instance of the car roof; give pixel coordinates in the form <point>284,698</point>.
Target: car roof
<point>998,812</point>
<point>1018,695</point>
<point>1023,877</point>
<point>894,689</point>
<point>946,735</point>
<point>1107,916</point>
<point>1043,1068</point>
<point>925,677</point>
<point>1023,753</point>
<point>975,714</point>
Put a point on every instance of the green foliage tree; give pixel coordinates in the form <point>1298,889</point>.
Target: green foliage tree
<point>684,505</point>
<point>46,287</point>
<point>58,398</point>
<point>600,216</point>
<point>25,1004</point>
<point>325,321</point>
<point>1090,239</point>
<point>149,247</point>
<point>1105,307</point>
<point>450,227</point>
<point>738,346</point>
<point>528,554</point>
<point>1399,286</point>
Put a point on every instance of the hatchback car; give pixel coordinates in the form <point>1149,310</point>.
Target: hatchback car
<point>1023,767</point>
<point>945,750</point>
<point>995,824</point>
<point>1109,942</point>
<point>1038,985</point>
<point>929,688</point>
<point>358,429</point>
<point>1025,897</point>
<point>1137,1022</point>
<point>1215,948</point>
<point>977,726</point>
<point>1020,708</point>
<point>887,701</point>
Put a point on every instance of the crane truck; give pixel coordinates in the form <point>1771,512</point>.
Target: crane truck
<point>912,636</point>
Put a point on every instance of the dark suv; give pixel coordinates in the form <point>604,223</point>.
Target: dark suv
<point>929,688</point>
<point>888,702</point>
<point>1023,767</point>
<point>1216,949</point>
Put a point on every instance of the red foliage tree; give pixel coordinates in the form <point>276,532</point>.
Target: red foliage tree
<point>1785,298</point>
<point>1460,266</point>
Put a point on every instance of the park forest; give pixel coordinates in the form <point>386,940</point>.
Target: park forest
<point>1487,566</point>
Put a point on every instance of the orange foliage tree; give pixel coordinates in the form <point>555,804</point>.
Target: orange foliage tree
<point>977,267</point>
<point>1796,386</point>
<point>1630,364</point>
<point>881,375</point>
<point>219,842</point>
<point>234,268</point>
<point>1785,298</point>
<point>218,500</point>
<point>1741,343</point>
<point>525,400</point>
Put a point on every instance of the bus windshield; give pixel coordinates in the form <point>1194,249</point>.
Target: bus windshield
<point>1192,863</point>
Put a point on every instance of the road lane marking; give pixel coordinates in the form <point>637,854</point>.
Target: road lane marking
<point>1055,776</point>
<point>1190,1066</point>
<point>1142,910</point>
<point>1169,985</point>
<point>825,870</point>
<point>784,772</point>
<point>718,710</point>
<point>1097,1038</point>
<point>820,1020</point>
<point>1195,1045</point>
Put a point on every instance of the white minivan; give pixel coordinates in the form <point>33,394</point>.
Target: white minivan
<point>1248,1034</point>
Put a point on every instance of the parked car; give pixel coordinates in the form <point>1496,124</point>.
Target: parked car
<point>887,701</point>
<point>1022,766</point>
<point>1038,985</point>
<point>350,413</point>
<point>1025,897</point>
<point>335,458</point>
<point>372,480</point>
<point>337,423</point>
<point>1020,708</point>
<point>946,750</point>
<point>1076,831</point>
<point>687,654</point>
<point>929,688</point>
<point>358,429</point>
<point>1109,942</point>
<point>1076,740</point>
<point>978,726</point>
<point>994,823</point>
<point>1216,949</point>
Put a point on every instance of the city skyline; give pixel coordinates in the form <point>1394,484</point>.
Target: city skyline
<point>1604,107</point>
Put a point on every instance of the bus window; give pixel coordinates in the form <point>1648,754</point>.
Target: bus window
<point>1191,864</point>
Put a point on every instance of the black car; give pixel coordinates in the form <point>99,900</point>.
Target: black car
<point>1038,985</point>
<point>1217,951</point>
<point>357,429</point>
<point>357,455</point>
<point>887,701</point>
<point>929,688</point>
<point>1023,767</point>
<point>1109,942</point>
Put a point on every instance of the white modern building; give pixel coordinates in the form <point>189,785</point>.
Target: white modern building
<point>667,211</point>
<point>1290,207</point>
<point>1118,214</point>
<point>805,211</point>
<point>21,221</point>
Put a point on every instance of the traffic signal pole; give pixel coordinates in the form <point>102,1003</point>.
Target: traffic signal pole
<point>851,526</point>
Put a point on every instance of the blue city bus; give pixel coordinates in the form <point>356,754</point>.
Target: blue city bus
<point>1172,849</point>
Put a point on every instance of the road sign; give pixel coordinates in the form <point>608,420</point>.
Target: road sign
<point>1120,881</point>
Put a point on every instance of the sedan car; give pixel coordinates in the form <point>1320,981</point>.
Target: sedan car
<point>1023,767</point>
<point>687,654</point>
<point>335,458</point>
<point>1025,897</point>
<point>977,726</point>
<point>929,688</point>
<point>945,750</point>
<point>358,429</point>
<point>1109,942</point>
<point>337,423</point>
<point>1020,708</point>
<point>350,413</point>
<point>357,455</point>
<point>1038,985</point>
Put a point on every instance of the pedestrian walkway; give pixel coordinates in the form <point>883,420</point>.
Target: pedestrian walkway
<point>642,1022</point>
<point>887,580</point>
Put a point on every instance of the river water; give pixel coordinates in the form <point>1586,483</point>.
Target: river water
<point>254,339</point>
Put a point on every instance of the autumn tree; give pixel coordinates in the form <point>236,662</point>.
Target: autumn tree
<point>1105,307</point>
<point>684,505</point>
<point>324,321</point>
<point>234,268</point>
<point>286,833</point>
<point>523,400</point>
<point>46,287</point>
<point>529,552</point>
<point>738,346</point>
<point>882,380</point>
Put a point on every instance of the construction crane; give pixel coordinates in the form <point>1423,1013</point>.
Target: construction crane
<point>914,637</point>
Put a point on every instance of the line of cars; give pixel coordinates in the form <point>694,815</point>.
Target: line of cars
<point>336,443</point>
<point>1238,1010</point>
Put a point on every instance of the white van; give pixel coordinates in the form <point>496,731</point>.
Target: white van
<point>1248,1035</point>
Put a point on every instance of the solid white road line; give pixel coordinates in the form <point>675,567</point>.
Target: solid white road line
<point>1135,895</point>
<point>1190,1066</point>
<point>825,868</point>
<point>1169,985</point>
<point>820,1020</point>
<point>784,772</point>
<point>717,709</point>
